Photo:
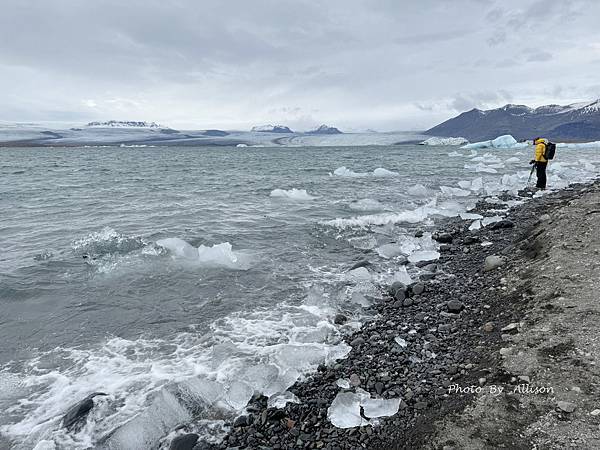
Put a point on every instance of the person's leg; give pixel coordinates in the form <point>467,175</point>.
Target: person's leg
<point>541,175</point>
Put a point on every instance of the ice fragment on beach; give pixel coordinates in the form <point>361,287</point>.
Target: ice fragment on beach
<point>476,225</point>
<point>401,342</point>
<point>344,411</point>
<point>423,255</point>
<point>378,407</point>
<point>470,216</point>
<point>280,399</point>
<point>238,395</point>
<point>343,383</point>
<point>363,242</point>
<point>402,276</point>
<point>489,220</point>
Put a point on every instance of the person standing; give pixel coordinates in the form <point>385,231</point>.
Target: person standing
<point>540,161</point>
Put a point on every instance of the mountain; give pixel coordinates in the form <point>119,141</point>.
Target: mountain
<point>575,122</point>
<point>123,124</point>
<point>324,129</point>
<point>272,129</point>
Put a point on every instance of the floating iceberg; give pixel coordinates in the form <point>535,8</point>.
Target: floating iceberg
<point>381,172</point>
<point>344,172</point>
<point>292,194</point>
<point>418,190</point>
<point>219,254</point>
<point>445,141</point>
<point>504,141</point>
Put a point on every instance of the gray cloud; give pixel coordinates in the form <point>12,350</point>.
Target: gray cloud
<point>355,63</point>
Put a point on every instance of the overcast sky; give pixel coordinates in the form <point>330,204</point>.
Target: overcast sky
<point>386,64</point>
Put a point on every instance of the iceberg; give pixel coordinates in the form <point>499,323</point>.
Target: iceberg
<point>437,141</point>
<point>381,172</point>
<point>344,172</point>
<point>504,141</point>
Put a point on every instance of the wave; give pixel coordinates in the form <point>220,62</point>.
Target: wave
<point>105,242</point>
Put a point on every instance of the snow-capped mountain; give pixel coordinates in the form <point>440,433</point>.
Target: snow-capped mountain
<point>272,129</point>
<point>574,122</point>
<point>124,124</point>
<point>325,129</point>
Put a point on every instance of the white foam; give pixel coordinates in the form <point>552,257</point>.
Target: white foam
<point>292,194</point>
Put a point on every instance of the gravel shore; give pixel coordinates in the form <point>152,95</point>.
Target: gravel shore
<point>497,315</point>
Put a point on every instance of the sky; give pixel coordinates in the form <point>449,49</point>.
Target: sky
<point>232,64</point>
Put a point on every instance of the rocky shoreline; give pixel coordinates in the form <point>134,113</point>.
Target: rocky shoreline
<point>436,345</point>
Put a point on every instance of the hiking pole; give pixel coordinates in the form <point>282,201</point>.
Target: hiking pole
<point>530,174</point>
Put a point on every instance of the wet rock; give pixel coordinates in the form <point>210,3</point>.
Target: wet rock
<point>505,223</point>
<point>426,276</point>
<point>430,268</point>
<point>185,442</point>
<point>443,238</point>
<point>470,240</point>
<point>379,387</point>
<point>242,421</point>
<point>77,413</point>
<point>455,306</point>
<point>492,262</point>
<point>567,407</point>
<point>488,327</point>
<point>363,263</point>
<point>340,319</point>
<point>418,288</point>
<point>357,342</point>
<point>354,380</point>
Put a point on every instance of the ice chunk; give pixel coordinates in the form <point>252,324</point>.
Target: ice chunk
<point>378,407</point>
<point>389,250</point>
<point>470,216</point>
<point>381,172</point>
<point>238,395</point>
<point>343,383</point>
<point>344,411</point>
<point>179,248</point>
<point>363,242</point>
<point>359,274</point>
<point>402,276</point>
<point>418,190</point>
<point>504,141</point>
<point>279,400</point>
<point>401,342</point>
<point>514,159</point>
<point>344,172</point>
<point>219,254</point>
<point>292,194</point>
<point>45,445</point>
<point>423,255</point>
<point>477,184</point>
<point>489,220</point>
<point>360,299</point>
<point>465,184</point>
<point>476,225</point>
<point>450,191</point>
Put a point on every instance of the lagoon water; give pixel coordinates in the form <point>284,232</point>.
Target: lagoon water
<point>179,281</point>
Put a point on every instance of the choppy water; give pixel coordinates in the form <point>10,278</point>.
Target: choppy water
<point>181,280</point>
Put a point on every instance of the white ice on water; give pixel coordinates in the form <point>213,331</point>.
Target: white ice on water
<point>504,141</point>
<point>292,194</point>
<point>381,172</point>
<point>218,254</point>
<point>345,172</point>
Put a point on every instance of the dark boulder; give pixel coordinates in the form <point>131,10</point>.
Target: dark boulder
<point>185,442</point>
<point>77,413</point>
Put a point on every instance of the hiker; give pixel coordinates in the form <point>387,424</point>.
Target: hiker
<point>540,161</point>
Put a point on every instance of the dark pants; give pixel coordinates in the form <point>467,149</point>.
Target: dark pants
<point>540,171</point>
